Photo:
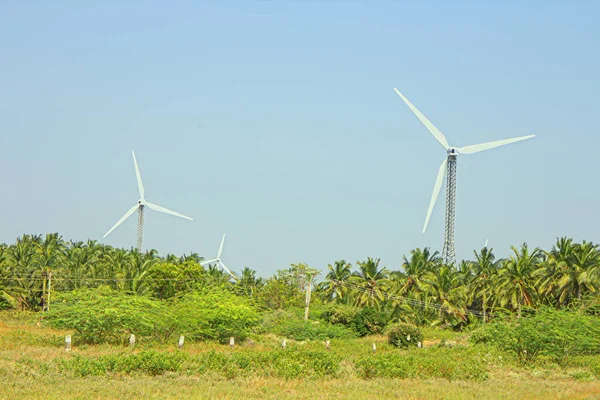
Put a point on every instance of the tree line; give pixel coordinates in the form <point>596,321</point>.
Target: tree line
<point>424,291</point>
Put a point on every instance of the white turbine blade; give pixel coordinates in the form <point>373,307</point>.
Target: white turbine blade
<point>208,261</point>
<point>476,148</point>
<point>138,176</point>
<point>166,211</point>
<point>221,248</point>
<point>436,191</point>
<point>123,218</point>
<point>227,269</point>
<point>439,136</point>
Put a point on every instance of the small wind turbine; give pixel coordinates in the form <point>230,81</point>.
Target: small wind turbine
<point>218,259</point>
<point>449,163</point>
<point>139,207</point>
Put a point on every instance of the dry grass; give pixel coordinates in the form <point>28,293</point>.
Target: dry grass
<point>189,387</point>
<point>27,353</point>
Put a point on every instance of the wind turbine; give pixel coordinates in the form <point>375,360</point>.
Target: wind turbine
<point>218,259</point>
<point>139,207</point>
<point>449,164</point>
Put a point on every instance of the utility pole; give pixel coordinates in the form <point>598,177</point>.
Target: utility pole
<point>44,290</point>
<point>308,289</point>
<point>310,274</point>
<point>49,287</point>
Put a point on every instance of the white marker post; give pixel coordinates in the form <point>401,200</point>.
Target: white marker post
<point>374,348</point>
<point>231,342</point>
<point>283,344</point>
<point>181,340</point>
<point>68,343</point>
<point>132,340</point>
<point>327,345</point>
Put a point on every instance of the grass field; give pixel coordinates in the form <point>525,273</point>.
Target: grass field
<point>31,357</point>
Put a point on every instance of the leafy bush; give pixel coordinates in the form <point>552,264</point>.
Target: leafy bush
<point>432,363</point>
<point>293,326</point>
<point>216,315</point>
<point>340,314</point>
<point>103,315</point>
<point>7,302</point>
<point>558,335</point>
<point>370,321</point>
<point>288,364</point>
<point>148,362</point>
<point>298,329</point>
<point>404,335</point>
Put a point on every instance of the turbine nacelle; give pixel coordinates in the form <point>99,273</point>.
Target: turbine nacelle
<point>452,151</point>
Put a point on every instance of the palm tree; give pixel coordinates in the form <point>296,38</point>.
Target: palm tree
<point>515,284</point>
<point>132,279</point>
<point>248,282</point>
<point>51,252</point>
<point>335,285</point>
<point>482,274</point>
<point>445,286</point>
<point>421,262</point>
<point>370,283</point>
<point>25,279</point>
<point>217,276</point>
<point>569,270</point>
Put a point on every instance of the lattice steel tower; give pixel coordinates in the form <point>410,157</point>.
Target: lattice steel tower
<point>449,163</point>
<point>140,228</point>
<point>449,254</point>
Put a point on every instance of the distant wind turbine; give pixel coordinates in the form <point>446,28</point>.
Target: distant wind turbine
<point>218,259</point>
<point>139,206</point>
<point>449,163</point>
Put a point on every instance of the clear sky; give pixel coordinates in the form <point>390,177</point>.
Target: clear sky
<point>276,123</point>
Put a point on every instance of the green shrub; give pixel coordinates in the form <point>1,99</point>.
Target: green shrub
<point>216,315</point>
<point>404,335</point>
<point>340,314</point>
<point>102,315</point>
<point>369,321</point>
<point>7,302</point>
<point>298,329</point>
<point>148,362</point>
<point>558,335</point>
<point>451,364</point>
<point>290,363</point>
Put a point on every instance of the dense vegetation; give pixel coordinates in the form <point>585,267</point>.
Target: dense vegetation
<point>536,312</point>
<point>366,296</point>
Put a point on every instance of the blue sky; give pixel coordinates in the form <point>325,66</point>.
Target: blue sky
<point>276,123</point>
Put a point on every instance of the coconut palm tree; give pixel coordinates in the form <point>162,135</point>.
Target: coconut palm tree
<point>445,287</point>
<point>248,282</point>
<point>369,283</point>
<point>569,271</point>
<point>515,286</point>
<point>482,274</point>
<point>335,287</point>
<point>420,263</point>
<point>25,280</point>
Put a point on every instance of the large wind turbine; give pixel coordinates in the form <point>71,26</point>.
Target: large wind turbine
<point>218,259</point>
<point>139,207</point>
<point>449,164</point>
